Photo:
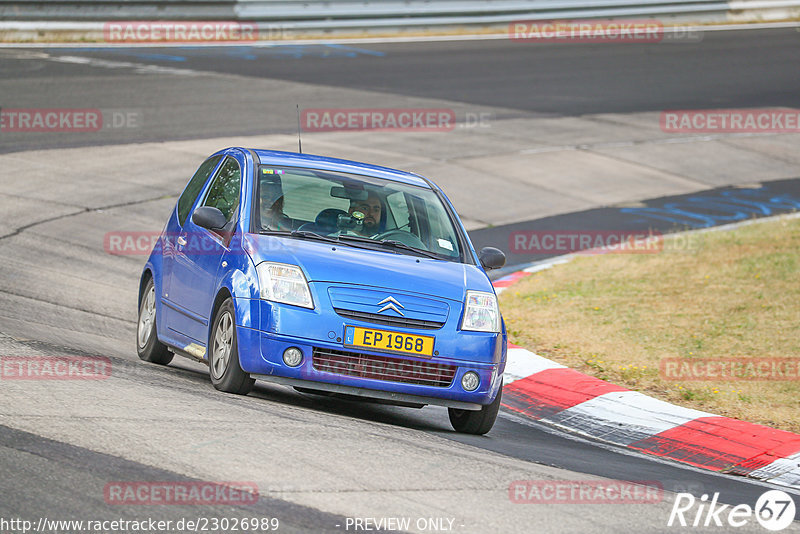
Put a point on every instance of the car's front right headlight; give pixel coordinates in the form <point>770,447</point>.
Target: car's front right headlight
<point>281,282</point>
<point>481,313</point>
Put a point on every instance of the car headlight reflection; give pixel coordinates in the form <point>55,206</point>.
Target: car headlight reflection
<point>280,282</point>
<point>481,313</point>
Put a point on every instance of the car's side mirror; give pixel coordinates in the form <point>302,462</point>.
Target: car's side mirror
<point>491,258</point>
<point>209,218</point>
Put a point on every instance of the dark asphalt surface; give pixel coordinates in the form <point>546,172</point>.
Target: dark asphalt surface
<point>724,69</point>
<point>516,79</point>
<point>43,478</point>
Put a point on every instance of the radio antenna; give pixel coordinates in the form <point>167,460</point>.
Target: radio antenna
<point>299,142</point>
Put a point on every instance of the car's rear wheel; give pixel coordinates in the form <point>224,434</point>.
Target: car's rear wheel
<point>149,348</point>
<point>476,421</point>
<point>223,360</point>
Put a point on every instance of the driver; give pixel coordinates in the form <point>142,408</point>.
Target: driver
<point>371,208</point>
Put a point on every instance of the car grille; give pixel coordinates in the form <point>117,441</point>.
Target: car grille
<point>389,320</point>
<point>383,368</point>
<point>367,304</point>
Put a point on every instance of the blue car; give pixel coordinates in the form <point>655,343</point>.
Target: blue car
<point>331,276</point>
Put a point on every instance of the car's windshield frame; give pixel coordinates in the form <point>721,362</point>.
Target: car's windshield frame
<point>465,254</point>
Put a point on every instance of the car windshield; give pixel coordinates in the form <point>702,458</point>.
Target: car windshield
<point>354,209</point>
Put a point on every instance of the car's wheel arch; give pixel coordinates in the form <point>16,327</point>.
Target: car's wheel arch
<point>147,274</point>
<point>239,283</point>
<point>222,294</point>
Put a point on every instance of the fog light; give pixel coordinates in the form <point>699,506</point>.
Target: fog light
<point>470,381</point>
<point>292,357</point>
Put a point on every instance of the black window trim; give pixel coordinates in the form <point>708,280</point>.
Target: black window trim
<point>200,193</point>
<point>209,183</point>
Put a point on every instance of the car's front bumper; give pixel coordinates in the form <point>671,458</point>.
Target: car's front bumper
<point>315,333</point>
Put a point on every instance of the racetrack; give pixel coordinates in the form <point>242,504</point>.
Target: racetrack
<point>568,128</point>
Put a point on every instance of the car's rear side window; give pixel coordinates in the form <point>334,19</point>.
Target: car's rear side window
<point>224,191</point>
<point>195,186</point>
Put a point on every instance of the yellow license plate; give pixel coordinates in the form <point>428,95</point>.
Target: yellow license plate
<point>386,340</point>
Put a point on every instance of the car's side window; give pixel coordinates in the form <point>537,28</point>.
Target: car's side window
<point>224,191</point>
<point>442,233</point>
<point>195,186</point>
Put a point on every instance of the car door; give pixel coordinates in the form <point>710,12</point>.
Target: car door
<point>191,193</point>
<point>198,254</point>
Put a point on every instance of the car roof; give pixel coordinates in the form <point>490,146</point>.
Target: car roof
<point>311,161</point>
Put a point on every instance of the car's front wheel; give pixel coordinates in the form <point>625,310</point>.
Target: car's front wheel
<point>476,422</point>
<point>223,360</point>
<point>149,348</point>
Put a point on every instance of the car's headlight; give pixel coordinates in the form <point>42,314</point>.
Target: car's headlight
<point>481,313</point>
<point>280,282</point>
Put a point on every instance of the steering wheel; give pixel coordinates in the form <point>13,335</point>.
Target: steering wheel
<point>404,237</point>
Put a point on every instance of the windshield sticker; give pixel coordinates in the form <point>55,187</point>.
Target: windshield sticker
<point>271,171</point>
<point>444,243</point>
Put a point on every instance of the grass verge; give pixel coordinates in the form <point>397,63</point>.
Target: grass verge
<point>619,317</point>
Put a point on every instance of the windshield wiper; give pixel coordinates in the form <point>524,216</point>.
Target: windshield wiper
<point>313,235</point>
<point>301,233</point>
<point>360,239</point>
<point>400,244</point>
<point>391,243</point>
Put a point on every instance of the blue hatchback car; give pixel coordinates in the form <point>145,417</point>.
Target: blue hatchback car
<point>331,276</point>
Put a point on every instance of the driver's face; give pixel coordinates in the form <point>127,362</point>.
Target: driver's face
<point>371,208</point>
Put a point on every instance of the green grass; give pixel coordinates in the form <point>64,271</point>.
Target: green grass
<point>616,316</point>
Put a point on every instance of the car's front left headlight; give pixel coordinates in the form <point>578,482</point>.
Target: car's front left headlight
<point>481,313</point>
<point>280,282</point>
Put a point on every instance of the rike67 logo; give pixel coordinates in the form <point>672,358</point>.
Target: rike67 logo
<point>774,510</point>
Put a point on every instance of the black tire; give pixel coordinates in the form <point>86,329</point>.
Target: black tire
<point>226,373</point>
<point>149,348</point>
<point>476,421</point>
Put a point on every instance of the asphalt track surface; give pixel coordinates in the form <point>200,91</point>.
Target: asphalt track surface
<point>732,69</point>
<point>58,453</point>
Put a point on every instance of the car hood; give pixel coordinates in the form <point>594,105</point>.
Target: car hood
<point>341,263</point>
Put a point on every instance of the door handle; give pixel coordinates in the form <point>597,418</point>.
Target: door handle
<point>181,241</point>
